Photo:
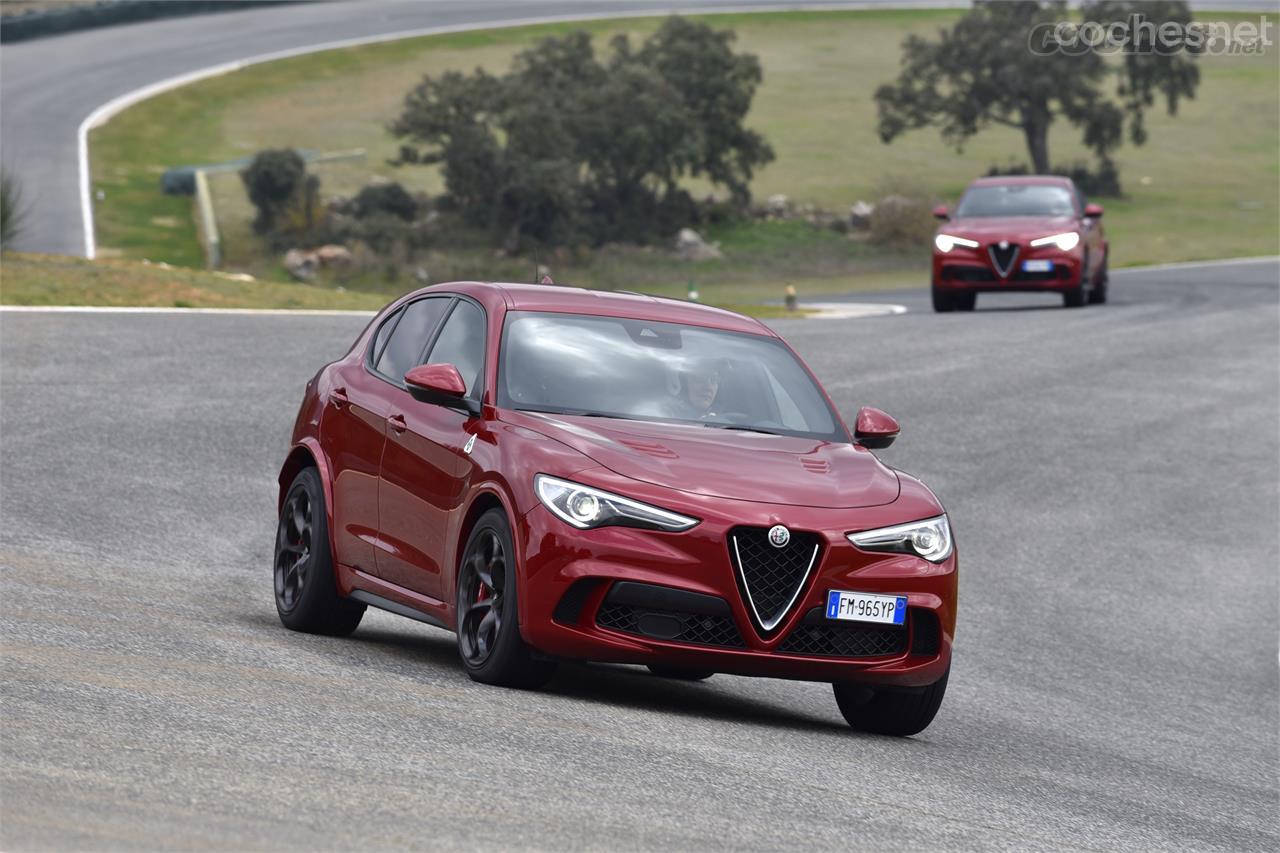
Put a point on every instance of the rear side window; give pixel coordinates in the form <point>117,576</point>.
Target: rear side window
<point>408,339</point>
<point>461,343</point>
<point>380,338</point>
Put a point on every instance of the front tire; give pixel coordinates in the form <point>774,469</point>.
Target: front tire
<point>943,302</point>
<point>891,712</point>
<point>1098,296</point>
<point>307,597</point>
<point>489,640</point>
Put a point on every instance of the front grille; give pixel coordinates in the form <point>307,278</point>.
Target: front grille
<point>1003,259</point>
<point>771,577</point>
<point>957,272</point>
<point>674,626</point>
<point>844,640</point>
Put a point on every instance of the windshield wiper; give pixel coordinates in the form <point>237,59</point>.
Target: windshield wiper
<point>577,413</point>
<point>741,428</point>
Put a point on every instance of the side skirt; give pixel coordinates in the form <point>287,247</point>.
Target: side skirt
<point>397,608</point>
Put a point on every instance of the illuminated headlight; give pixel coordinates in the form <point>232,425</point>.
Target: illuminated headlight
<point>930,539</point>
<point>585,507</point>
<point>1065,241</point>
<point>946,242</point>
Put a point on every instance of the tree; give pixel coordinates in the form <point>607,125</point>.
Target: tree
<point>566,146</point>
<point>982,72</point>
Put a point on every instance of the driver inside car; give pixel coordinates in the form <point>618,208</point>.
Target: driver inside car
<point>700,383</point>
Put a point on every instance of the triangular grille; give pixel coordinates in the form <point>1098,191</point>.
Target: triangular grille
<point>1003,258</point>
<point>771,578</point>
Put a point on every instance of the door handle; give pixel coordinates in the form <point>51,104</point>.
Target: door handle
<point>338,396</point>
<point>397,423</point>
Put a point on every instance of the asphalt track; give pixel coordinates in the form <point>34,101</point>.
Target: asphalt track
<point>1111,474</point>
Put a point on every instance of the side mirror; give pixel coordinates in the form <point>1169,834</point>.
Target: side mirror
<point>1093,211</point>
<point>440,385</point>
<point>874,429</point>
<point>940,212</point>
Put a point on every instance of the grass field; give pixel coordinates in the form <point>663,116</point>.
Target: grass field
<point>31,279</point>
<point>1205,185</point>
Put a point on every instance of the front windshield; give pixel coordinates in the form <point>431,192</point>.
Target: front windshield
<point>644,370</point>
<point>1017,200</point>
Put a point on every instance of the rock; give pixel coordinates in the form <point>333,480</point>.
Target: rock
<point>301,265</point>
<point>334,256</point>
<point>860,214</point>
<point>691,247</point>
<point>777,205</point>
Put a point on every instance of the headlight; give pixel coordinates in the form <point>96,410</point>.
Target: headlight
<point>930,539</point>
<point>587,508</point>
<point>1066,241</point>
<point>946,242</point>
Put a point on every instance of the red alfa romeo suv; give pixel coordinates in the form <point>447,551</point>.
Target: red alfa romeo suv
<point>555,473</point>
<point>1027,233</point>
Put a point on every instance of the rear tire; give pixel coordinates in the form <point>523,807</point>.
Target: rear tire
<point>306,589</point>
<point>680,674</point>
<point>891,712</point>
<point>489,641</point>
<point>943,302</point>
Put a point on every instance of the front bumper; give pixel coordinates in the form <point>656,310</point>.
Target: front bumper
<point>570,605</point>
<point>973,270</point>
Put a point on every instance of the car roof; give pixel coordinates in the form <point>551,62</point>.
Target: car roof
<point>1009,180</point>
<point>566,299</point>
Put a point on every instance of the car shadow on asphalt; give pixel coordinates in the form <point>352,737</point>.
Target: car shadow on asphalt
<point>400,651</point>
<point>610,684</point>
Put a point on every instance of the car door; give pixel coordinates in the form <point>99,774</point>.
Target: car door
<point>352,432</point>
<point>423,472</point>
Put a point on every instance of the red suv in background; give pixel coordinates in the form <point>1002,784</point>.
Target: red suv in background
<point>1029,233</point>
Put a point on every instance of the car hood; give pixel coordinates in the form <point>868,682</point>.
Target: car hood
<point>1017,228</point>
<point>726,463</point>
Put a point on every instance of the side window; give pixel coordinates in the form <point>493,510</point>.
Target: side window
<point>461,343</point>
<point>409,338</point>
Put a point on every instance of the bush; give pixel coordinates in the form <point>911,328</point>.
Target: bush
<point>12,209</point>
<point>903,216</point>
<point>1101,181</point>
<point>391,199</point>
<point>284,195</point>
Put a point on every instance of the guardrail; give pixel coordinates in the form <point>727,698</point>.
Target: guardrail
<point>52,22</point>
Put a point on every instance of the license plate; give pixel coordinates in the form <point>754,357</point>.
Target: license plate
<point>865,607</point>
<point>1037,266</point>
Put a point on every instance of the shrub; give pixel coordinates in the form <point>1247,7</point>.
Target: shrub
<point>12,209</point>
<point>276,180</point>
<point>903,216</point>
<point>391,199</point>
